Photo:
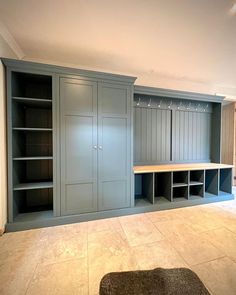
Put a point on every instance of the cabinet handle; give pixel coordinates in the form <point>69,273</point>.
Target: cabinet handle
<point>95,147</point>
<point>100,147</point>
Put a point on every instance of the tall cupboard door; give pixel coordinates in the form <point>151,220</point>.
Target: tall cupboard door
<point>78,109</point>
<point>114,146</point>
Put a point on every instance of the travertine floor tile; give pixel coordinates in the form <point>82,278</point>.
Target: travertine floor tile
<point>224,240</point>
<point>218,275</point>
<point>50,260</point>
<point>165,215</point>
<point>64,248</point>
<point>174,227</point>
<point>140,230</point>
<point>194,248</point>
<point>158,254</point>
<point>70,277</point>
<point>16,272</point>
<point>107,252</point>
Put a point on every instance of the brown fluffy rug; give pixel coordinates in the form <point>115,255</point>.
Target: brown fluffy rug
<point>159,281</point>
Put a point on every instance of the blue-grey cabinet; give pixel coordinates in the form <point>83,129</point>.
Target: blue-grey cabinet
<point>78,111</point>
<point>114,146</point>
<point>95,145</point>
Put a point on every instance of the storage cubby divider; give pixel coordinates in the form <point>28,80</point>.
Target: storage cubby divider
<point>211,182</point>
<point>180,178</point>
<point>163,181</point>
<point>226,180</point>
<point>196,177</point>
<point>144,188</point>
<point>196,191</point>
<point>180,193</point>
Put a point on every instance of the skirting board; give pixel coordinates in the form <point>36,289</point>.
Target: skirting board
<point>53,221</point>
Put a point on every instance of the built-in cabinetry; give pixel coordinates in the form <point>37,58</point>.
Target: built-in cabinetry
<point>75,135</point>
<point>95,145</point>
<point>30,144</point>
<point>170,127</point>
<point>165,184</point>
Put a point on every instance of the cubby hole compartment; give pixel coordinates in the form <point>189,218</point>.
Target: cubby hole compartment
<point>33,173</point>
<point>196,192</point>
<point>31,144</point>
<point>211,183</point>
<point>28,201</point>
<point>226,180</point>
<point>196,177</point>
<point>29,85</point>
<point>144,189</point>
<point>180,193</point>
<point>180,178</point>
<point>25,116</point>
<point>162,187</point>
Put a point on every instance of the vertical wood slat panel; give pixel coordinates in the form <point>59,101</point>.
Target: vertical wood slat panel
<point>192,136</point>
<point>152,135</point>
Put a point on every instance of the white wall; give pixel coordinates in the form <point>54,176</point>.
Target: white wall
<point>5,51</point>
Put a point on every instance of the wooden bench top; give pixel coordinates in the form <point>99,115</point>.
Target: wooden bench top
<point>179,167</point>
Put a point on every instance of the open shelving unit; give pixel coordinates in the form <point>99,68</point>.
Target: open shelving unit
<point>170,186</point>
<point>31,138</point>
<point>163,191</point>
<point>144,189</point>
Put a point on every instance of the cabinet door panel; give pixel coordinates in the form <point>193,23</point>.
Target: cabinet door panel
<point>114,148</point>
<point>114,140</point>
<point>79,198</point>
<point>78,100</point>
<point>79,148</point>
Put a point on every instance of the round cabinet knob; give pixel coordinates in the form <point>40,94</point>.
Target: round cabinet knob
<point>100,147</point>
<point>95,147</point>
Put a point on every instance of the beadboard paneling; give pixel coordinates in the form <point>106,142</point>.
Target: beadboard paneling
<point>152,135</point>
<point>191,136</point>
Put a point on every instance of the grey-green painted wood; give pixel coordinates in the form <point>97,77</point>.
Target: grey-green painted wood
<point>192,139</point>
<point>78,107</point>
<point>45,219</point>
<point>212,181</point>
<point>114,146</point>
<point>176,94</point>
<point>148,186</point>
<point>84,74</point>
<point>163,184</point>
<point>152,135</point>
<point>216,133</point>
<point>226,180</point>
<point>20,171</point>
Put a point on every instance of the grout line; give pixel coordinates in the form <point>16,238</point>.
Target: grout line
<point>215,259</point>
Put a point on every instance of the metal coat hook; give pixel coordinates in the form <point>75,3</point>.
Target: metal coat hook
<point>149,104</point>
<point>189,105</point>
<point>170,104</point>
<point>180,105</point>
<point>159,105</point>
<point>138,103</point>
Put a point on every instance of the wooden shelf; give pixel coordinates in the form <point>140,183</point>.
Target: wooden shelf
<point>33,185</point>
<point>194,197</point>
<point>32,158</point>
<point>34,216</point>
<point>179,167</point>
<point>196,183</point>
<point>179,184</point>
<point>33,102</point>
<point>31,129</point>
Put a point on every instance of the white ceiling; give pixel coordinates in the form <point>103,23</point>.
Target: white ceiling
<point>181,44</point>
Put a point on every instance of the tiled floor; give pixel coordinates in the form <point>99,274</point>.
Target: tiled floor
<point>72,259</point>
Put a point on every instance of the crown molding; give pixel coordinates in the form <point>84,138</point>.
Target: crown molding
<point>10,40</point>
